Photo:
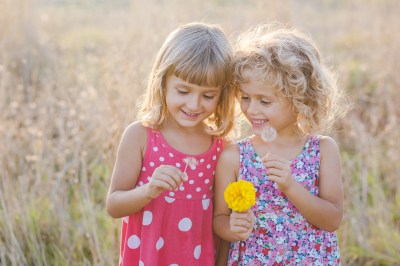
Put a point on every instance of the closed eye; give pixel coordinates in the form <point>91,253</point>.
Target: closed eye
<point>182,92</point>
<point>266,103</point>
<point>209,97</point>
<point>244,98</point>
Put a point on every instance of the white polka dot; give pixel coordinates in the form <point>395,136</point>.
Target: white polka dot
<point>174,264</point>
<point>171,194</point>
<point>147,217</point>
<point>198,189</point>
<point>191,182</point>
<point>197,252</point>
<point>214,157</point>
<point>151,164</point>
<point>193,167</point>
<point>208,166</point>
<point>160,243</point>
<point>204,196</point>
<point>205,203</point>
<point>149,178</point>
<point>171,154</point>
<point>162,159</point>
<point>200,174</point>
<point>168,199</point>
<point>141,263</point>
<point>207,181</point>
<point>143,168</point>
<point>202,160</point>
<point>189,196</point>
<point>185,224</point>
<point>133,241</point>
<point>213,172</point>
<point>178,165</point>
<point>141,183</point>
<point>125,219</point>
<point>218,149</point>
<point>181,188</point>
<point>211,187</point>
<point>155,148</point>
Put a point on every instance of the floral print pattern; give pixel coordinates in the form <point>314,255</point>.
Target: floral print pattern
<point>281,235</point>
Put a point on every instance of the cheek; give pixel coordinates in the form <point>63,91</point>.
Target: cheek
<point>244,106</point>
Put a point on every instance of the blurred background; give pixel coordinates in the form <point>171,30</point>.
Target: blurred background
<point>70,75</point>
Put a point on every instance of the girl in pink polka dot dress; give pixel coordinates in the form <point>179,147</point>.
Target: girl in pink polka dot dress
<point>287,95</point>
<point>162,183</point>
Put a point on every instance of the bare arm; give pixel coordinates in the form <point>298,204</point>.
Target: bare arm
<point>123,198</point>
<point>222,253</point>
<point>230,226</point>
<point>326,209</point>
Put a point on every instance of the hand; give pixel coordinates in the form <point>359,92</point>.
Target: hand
<point>279,171</point>
<point>164,177</point>
<point>242,223</point>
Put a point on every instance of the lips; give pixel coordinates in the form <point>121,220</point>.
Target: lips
<point>191,115</point>
<point>258,122</point>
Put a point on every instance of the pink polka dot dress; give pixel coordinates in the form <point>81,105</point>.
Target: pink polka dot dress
<point>175,228</point>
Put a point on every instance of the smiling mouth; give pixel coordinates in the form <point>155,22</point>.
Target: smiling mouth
<point>258,122</point>
<point>191,115</point>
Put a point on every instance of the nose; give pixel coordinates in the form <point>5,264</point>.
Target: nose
<point>193,102</point>
<point>252,108</point>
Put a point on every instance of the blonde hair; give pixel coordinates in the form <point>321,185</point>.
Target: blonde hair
<point>200,54</point>
<point>289,61</point>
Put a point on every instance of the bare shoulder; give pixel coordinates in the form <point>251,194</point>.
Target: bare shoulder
<point>227,141</point>
<point>328,145</point>
<point>136,129</point>
<point>134,137</point>
<point>230,154</point>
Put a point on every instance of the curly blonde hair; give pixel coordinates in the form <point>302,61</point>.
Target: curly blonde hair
<point>200,54</point>
<point>289,60</point>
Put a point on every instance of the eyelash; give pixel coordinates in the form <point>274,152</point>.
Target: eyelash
<point>207,97</point>
<point>245,98</point>
<point>265,103</point>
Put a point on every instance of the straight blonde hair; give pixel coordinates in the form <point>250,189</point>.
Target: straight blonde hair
<point>200,54</point>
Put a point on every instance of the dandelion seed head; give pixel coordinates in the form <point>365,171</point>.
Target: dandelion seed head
<point>269,134</point>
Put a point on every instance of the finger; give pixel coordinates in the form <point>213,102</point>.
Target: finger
<point>178,175</point>
<point>274,178</point>
<point>160,184</point>
<point>239,229</point>
<point>169,180</point>
<point>173,173</point>
<point>277,172</point>
<point>273,157</point>
<point>276,164</point>
<point>241,215</point>
<point>241,223</point>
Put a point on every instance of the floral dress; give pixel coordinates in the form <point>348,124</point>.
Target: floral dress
<point>176,227</point>
<point>281,235</point>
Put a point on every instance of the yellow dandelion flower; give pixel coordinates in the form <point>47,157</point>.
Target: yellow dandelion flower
<point>240,195</point>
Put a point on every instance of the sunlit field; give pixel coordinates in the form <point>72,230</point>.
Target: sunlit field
<point>70,75</point>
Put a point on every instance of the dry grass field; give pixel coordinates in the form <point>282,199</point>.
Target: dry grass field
<point>70,74</point>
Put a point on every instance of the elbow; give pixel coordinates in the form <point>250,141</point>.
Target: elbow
<point>334,224</point>
<point>110,207</point>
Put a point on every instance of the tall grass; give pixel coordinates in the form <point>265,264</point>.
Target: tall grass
<point>70,74</point>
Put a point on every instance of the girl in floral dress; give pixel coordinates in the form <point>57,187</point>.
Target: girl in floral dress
<point>288,96</point>
<point>162,183</point>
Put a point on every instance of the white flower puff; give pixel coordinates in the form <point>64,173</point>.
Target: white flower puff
<point>191,161</point>
<point>269,134</point>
